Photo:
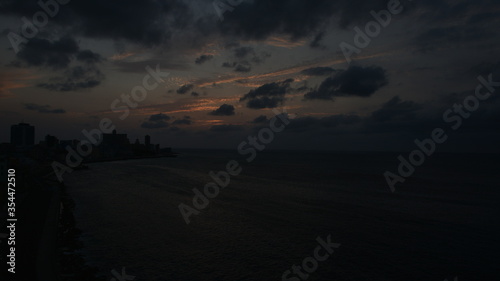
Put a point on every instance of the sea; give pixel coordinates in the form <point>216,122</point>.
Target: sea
<point>441,223</point>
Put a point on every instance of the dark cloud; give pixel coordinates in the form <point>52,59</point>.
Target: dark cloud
<point>62,55</point>
<point>158,117</point>
<point>265,102</point>
<point>355,81</point>
<point>44,53</point>
<point>74,79</point>
<point>396,110</point>
<point>195,94</point>
<point>156,22</point>
<point>243,68</point>
<point>249,53</point>
<point>260,119</point>
<point>260,58</point>
<point>396,124</point>
<point>268,96</point>
<point>156,121</point>
<point>295,18</point>
<point>148,23</point>
<point>154,125</point>
<point>244,58</point>
<point>203,58</point>
<point>159,121</point>
<point>182,122</point>
<point>395,115</point>
<point>243,52</point>
<point>318,71</point>
<point>88,56</point>
<point>185,88</point>
<point>315,43</point>
<point>223,110</point>
<point>303,88</point>
<point>229,64</point>
<point>225,128</point>
<point>417,119</point>
<point>43,108</point>
<point>185,121</point>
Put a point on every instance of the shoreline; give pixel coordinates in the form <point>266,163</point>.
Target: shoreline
<point>171,155</point>
<point>72,264</point>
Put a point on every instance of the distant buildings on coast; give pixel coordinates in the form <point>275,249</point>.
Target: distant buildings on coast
<point>118,145</point>
<point>112,146</point>
<point>22,148</point>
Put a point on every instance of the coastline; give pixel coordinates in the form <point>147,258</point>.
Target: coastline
<point>73,266</point>
<point>169,155</point>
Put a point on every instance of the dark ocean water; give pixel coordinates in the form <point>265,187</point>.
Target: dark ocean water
<point>441,223</point>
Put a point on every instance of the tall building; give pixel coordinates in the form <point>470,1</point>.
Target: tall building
<point>114,139</point>
<point>115,145</point>
<point>22,135</point>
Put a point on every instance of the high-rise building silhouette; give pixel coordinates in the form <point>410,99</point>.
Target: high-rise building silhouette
<point>114,145</point>
<point>22,135</point>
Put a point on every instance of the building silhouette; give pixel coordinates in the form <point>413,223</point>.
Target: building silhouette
<point>115,145</point>
<point>22,135</point>
<point>51,141</point>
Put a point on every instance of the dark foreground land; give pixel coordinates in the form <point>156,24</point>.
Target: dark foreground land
<point>46,239</point>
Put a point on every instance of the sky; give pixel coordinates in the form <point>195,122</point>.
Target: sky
<point>230,63</point>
